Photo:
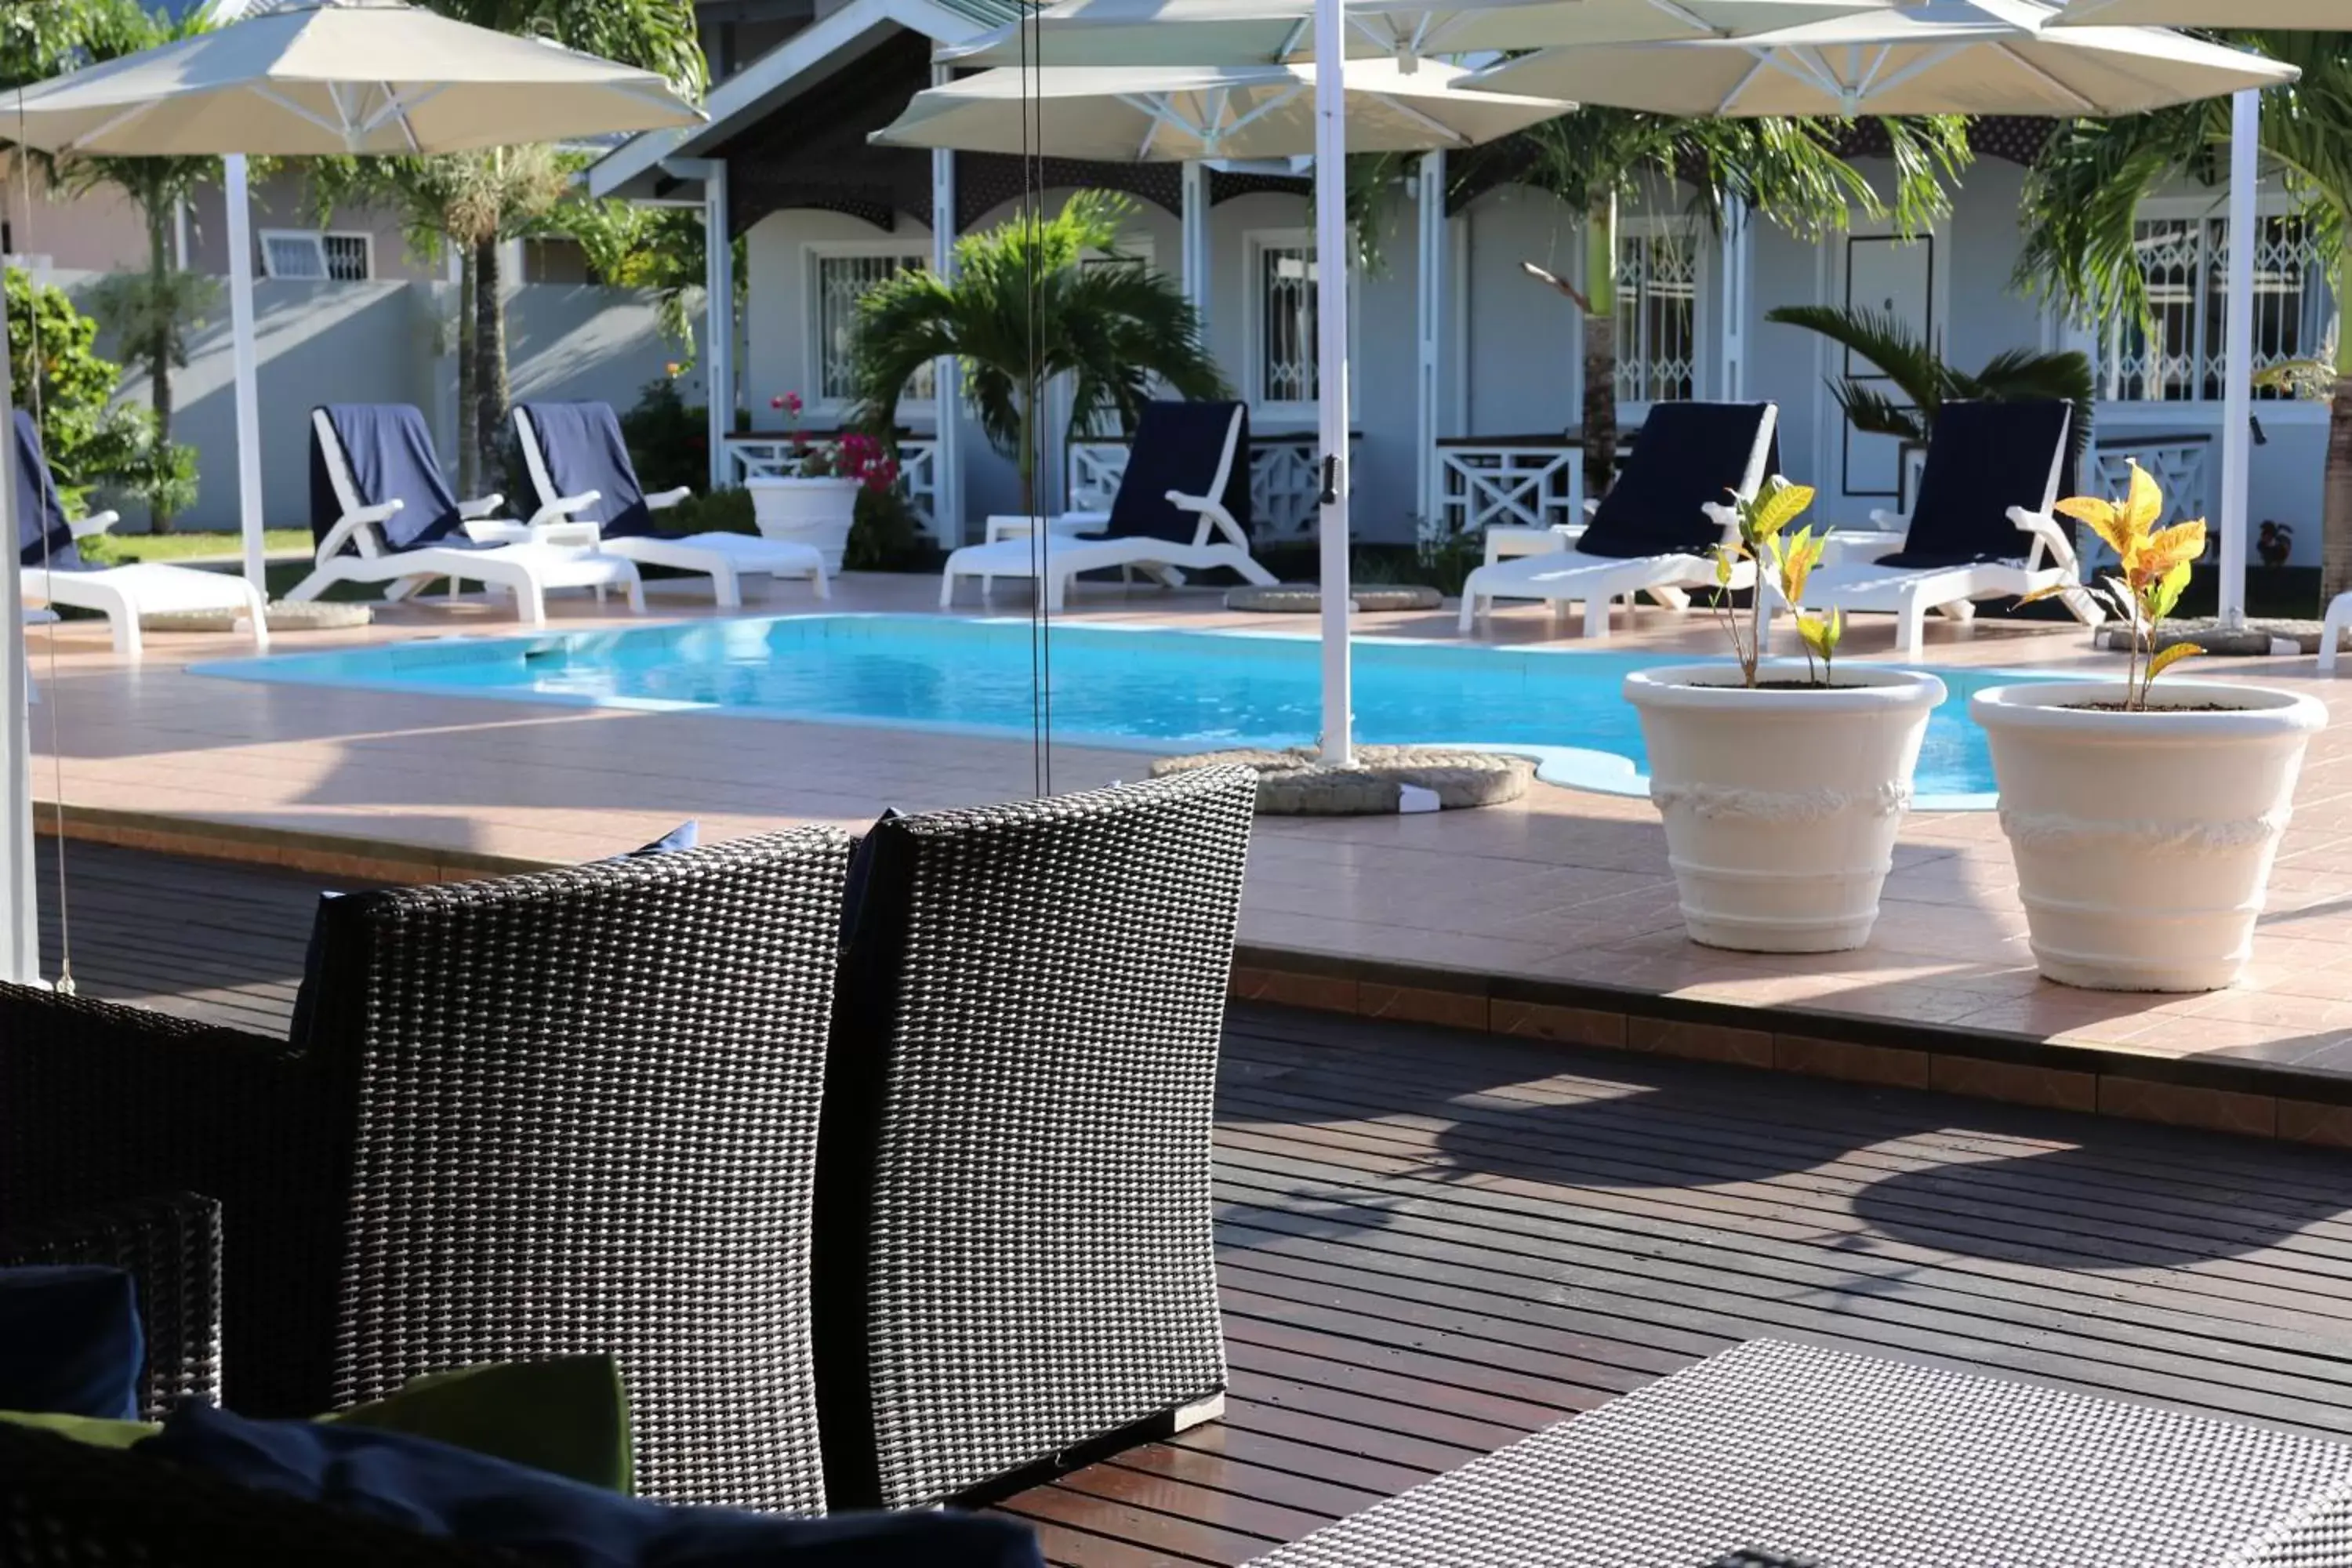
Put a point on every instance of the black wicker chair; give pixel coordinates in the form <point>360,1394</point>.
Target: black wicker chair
<point>171,1248</point>
<point>571,1111</point>
<point>1013,1249</point>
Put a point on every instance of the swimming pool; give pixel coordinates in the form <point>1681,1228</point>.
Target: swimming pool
<point>1148,689</point>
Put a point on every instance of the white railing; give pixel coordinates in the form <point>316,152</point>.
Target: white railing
<point>773,457</point>
<point>1514,485</point>
<point>1284,486</point>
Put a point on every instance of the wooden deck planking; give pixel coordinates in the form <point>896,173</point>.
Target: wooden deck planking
<point>1432,1243</point>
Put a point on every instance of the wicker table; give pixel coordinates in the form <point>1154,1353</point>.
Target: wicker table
<point>1853,1461</point>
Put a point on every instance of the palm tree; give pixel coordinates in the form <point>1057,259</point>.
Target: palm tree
<point>2084,195</point>
<point>1925,382</point>
<point>1034,299</point>
<point>1788,171</point>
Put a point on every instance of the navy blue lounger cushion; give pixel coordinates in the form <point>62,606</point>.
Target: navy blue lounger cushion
<point>1983,458</point>
<point>388,448</point>
<point>439,1490</point>
<point>71,1343</point>
<point>1176,448</point>
<point>1688,454</point>
<point>584,451</point>
<point>43,536</point>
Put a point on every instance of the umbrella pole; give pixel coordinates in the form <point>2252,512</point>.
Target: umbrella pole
<point>249,397</point>
<point>20,943</point>
<point>2238,387</point>
<point>1331,368</point>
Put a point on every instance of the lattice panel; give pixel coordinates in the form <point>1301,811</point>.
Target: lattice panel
<point>1520,487</point>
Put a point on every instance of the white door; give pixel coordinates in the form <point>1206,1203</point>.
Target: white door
<point>1889,274</point>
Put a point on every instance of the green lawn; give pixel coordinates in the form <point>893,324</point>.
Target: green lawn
<point>121,548</point>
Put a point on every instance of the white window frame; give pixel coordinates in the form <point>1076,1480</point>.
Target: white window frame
<point>1687,233</point>
<point>2105,349</point>
<point>1290,413</point>
<point>813,255</point>
<point>317,240</point>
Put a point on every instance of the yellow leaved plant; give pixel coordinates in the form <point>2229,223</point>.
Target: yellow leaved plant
<point>1763,519</point>
<point>2153,565</point>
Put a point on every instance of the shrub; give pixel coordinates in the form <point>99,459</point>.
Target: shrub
<point>92,442</point>
<point>668,437</point>
<point>721,511</point>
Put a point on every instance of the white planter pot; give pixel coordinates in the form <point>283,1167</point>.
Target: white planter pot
<point>1781,807</point>
<point>2142,841</point>
<point>806,511</point>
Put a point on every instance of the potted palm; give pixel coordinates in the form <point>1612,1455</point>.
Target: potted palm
<point>1034,302</point>
<point>1782,782</point>
<point>2143,819</point>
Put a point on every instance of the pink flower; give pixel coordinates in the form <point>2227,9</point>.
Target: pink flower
<point>792,402</point>
<point>776,401</point>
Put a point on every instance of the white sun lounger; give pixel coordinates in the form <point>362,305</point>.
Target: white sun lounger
<point>1687,453</point>
<point>588,453</point>
<point>1982,456</point>
<point>546,556</point>
<point>1177,446</point>
<point>120,594</point>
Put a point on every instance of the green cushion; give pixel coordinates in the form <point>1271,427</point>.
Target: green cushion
<point>568,1417</point>
<point>90,1429</point>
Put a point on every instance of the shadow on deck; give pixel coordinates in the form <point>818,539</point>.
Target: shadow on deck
<point>1433,1243</point>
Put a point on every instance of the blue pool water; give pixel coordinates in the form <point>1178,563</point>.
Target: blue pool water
<point>1154,691</point>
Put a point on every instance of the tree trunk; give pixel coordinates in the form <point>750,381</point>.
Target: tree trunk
<point>1026,460</point>
<point>1600,346</point>
<point>469,470</point>
<point>159,338</point>
<point>489,365</point>
<point>2335,512</point>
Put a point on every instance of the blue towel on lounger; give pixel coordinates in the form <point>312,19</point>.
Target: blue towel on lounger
<point>584,451</point>
<point>1176,448</point>
<point>389,450</point>
<point>43,536</point>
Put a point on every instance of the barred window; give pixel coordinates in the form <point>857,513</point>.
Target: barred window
<point>1657,317</point>
<point>2186,263</point>
<point>840,282</point>
<point>1286,324</point>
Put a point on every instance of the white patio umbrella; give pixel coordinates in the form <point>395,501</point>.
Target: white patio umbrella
<point>1173,114</point>
<point>2245,147</point>
<point>326,76</point>
<point>1280,32</point>
<point>1941,56</point>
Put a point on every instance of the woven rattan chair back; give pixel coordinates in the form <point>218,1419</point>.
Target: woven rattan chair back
<point>171,1248</point>
<point>1014,1256</point>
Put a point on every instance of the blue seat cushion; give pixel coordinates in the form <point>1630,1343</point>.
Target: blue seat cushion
<point>1177,447</point>
<point>44,538</point>
<point>1982,459</point>
<point>1688,454</point>
<point>584,450</point>
<point>439,1490</point>
<point>388,450</point>
<point>71,1343</point>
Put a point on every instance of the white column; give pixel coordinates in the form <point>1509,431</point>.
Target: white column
<point>242,351</point>
<point>947,462</point>
<point>718,318</point>
<point>20,926</point>
<point>1430,323</point>
<point>1331,373</point>
<point>2237,388</point>
<point>1738,275</point>
<point>1195,208</point>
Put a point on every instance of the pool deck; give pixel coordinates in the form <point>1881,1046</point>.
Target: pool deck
<point>1554,917</point>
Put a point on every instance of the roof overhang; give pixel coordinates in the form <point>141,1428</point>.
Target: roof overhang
<point>636,169</point>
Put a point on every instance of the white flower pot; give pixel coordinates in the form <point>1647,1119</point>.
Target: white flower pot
<point>2142,841</point>
<point>806,511</point>
<point>1781,807</point>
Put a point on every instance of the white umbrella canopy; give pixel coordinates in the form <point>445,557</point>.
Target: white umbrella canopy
<point>338,77</point>
<point>1280,32</point>
<point>1131,114</point>
<point>1941,56</point>
<point>2285,16</point>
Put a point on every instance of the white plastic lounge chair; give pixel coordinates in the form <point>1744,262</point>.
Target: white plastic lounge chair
<point>1656,531</point>
<point>54,573</point>
<point>383,514</point>
<point>580,467</point>
<point>1183,506</point>
<point>1988,488</point>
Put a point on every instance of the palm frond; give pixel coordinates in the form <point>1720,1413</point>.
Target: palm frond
<point>1874,413</point>
<point>1877,336</point>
